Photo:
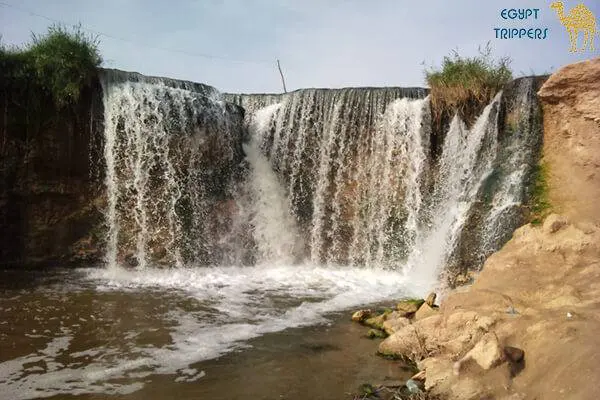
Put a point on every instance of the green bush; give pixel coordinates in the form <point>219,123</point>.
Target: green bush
<point>61,62</point>
<point>466,84</point>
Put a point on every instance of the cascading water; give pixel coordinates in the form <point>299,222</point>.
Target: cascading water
<point>274,228</point>
<point>169,151</point>
<point>352,161</point>
<point>365,190</point>
<point>466,161</point>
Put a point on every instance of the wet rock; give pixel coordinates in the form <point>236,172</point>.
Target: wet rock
<point>376,334</point>
<point>514,353</point>
<point>425,311</point>
<point>361,315</point>
<point>393,325</point>
<point>159,253</point>
<point>430,300</point>
<point>376,322</point>
<point>409,307</point>
<point>132,260</point>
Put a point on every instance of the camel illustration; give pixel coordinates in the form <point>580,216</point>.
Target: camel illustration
<point>580,18</point>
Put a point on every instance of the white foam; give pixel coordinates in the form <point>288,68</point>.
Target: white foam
<point>244,298</point>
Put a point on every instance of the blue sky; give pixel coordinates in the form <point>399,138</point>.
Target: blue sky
<point>333,43</point>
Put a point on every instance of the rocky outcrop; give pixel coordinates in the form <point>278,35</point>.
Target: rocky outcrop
<point>534,302</point>
<point>50,178</point>
<point>53,196</point>
<point>527,327</point>
<point>571,103</point>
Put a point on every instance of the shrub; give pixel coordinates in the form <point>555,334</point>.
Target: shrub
<point>61,63</point>
<point>464,85</point>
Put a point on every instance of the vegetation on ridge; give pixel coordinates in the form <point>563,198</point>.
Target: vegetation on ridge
<point>540,205</point>
<point>61,63</point>
<point>465,84</point>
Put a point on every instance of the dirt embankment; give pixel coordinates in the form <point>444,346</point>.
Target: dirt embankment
<point>541,292</point>
<point>571,103</point>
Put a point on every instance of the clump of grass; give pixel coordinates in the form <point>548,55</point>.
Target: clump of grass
<point>61,63</point>
<point>540,205</point>
<point>466,84</point>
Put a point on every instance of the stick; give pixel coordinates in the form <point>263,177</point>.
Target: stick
<point>282,79</point>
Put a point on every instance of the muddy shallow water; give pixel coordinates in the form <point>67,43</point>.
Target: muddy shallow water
<point>77,334</point>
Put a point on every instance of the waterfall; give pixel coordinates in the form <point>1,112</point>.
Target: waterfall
<point>170,149</point>
<point>364,189</point>
<point>340,177</point>
<point>274,229</point>
<point>352,163</point>
<point>466,161</point>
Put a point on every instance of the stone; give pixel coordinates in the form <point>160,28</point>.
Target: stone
<point>132,260</point>
<point>514,354</point>
<point>554,223</point>
<point>487,353</point>
<point>430,300</point>
<point>361,315</point>
<point>405,344</point>
<point>393,325</point>
<point>409,306</point>
<point>425,311</point>
<point>376,334</point>
<point>437,371</point>
<point>376,322</point>
<point>414,341</point>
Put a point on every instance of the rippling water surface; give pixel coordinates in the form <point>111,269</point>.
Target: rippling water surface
<point>191,331</point>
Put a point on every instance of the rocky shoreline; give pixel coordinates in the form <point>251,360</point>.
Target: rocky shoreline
<point>526,328</point>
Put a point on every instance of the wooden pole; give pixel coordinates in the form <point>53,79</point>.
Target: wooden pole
<point>281,73</point>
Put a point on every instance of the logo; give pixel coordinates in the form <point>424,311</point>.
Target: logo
<point>579,19</point>
<point>522,20</point>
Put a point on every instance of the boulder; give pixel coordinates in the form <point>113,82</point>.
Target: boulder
<point>393,325</point>
<point>425,311</point>
<point>487,353</point>
<point>376,322</point>
<point>132,260</point>
<point>409,307</point>
<point>414,341</point>
<point>437,371</point>
<point>430,300</point>
<point>404,343</point>
<point>376,334</point>
<point>361,315</point>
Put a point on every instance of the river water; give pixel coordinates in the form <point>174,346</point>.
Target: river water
<point>220,333</point>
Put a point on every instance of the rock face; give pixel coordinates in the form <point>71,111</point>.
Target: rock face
<point>53,196</point>
<point>571,104</point>
<point>50,179</point>
<point>535,298</point>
